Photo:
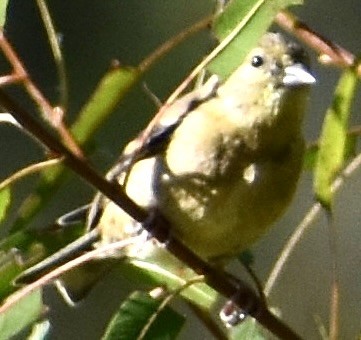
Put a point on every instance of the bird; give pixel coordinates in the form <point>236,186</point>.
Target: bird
<point>221,163</point>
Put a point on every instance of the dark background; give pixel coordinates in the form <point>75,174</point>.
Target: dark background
<point>93,33</point>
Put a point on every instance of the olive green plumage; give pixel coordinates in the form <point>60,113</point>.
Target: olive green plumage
<point>230,166</point>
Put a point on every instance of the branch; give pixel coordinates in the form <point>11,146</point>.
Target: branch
<point>55,49</point>
<point>305,224</point>
<point>330,53</point>
<point>54,116</point>
<point>227,285</point>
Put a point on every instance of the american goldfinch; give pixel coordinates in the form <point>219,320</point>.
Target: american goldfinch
<point>227,166</point>
<point>222,162</point>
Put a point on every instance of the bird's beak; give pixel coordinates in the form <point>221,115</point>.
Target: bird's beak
<point>298,75</point>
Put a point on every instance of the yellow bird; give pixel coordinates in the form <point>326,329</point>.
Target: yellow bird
<point>227,168</point>
<point>221,164</point>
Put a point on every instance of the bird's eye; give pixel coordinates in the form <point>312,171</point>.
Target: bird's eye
<point>257,61</point>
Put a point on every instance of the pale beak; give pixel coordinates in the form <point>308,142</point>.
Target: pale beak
<point>298,75</point>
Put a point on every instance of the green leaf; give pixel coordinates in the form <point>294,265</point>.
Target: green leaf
<point>111,89</point>
<point>248,329</point>
<point>333,141</point>
<point>156,268</point>
<point>246,21</point>
<point>3,7</point>
<point>109,92</point>
<point>21,315</point>
<point>311,154</point>
<point>33,245</point>
<point>5,198</point>
<point>310,157</point>
<point>10,266</point>
<point>161,268</point>
<point>135,318</point>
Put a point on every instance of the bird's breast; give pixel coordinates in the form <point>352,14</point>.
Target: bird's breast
<point>221,208</point>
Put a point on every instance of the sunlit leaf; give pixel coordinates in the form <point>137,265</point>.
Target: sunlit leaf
<point>157,268</point>
<point>248,329</point>
<point>10,266</point>
<point>134,318</point>
<point>111,89</point>
<point>21,315</point>
<point>311,154</point>
<point>333,141</point>
<point>109,92</point>
<point>5,198</point>
<point>161,268</point>
<point>3,7</point>
<point>246,21</point>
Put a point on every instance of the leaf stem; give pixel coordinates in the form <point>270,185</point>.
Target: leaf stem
<point>56,50</point>
<point>54,116</point>
<point>309,218</point>
<point>331,53</point>
<point>226,284</point>
<point>30,169</point>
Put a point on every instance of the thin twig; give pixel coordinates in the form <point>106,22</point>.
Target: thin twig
<point>256,281</point>
<point>30,169</point>
<point>289,247</point>
<point>54,116</point>
<point>10,79</point>
<point>6,117</point>
<point>224,43</point>
<point>53,275</point>
<point>309,218</point>
<point>159,52</point>
<point>234,289</point>
<point>55,48</point>
<point>335,285</point>
<point>177,92</point>
<point>77,164</point>
<point>166,301</point>
<point>330,52</point>
<point>174,41</point>
<point>147,64</point>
